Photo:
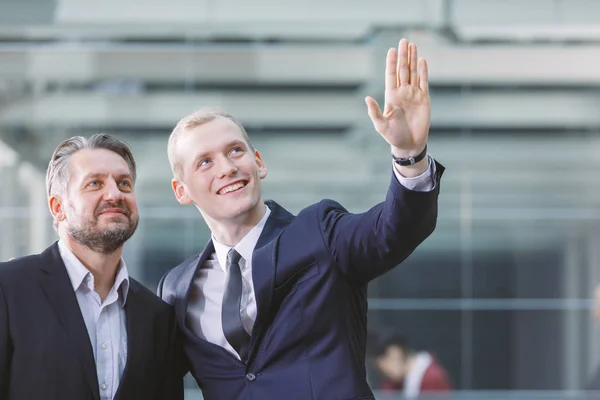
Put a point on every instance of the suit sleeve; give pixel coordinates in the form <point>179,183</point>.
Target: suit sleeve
<point>5,346</point>
<point>365,246</point>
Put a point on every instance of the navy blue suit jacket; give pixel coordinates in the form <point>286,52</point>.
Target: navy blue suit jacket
<point>310,275</point>
<point>45,349</point>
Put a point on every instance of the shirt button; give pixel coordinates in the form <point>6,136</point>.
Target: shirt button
<point>88,278</point>
<point>104,346</point>
<point>250,377</point>
<point>104,386</point>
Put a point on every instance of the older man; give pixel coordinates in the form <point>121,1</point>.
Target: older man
<point>73,323</point>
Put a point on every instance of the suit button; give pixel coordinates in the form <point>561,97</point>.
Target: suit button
<point>250,377</point>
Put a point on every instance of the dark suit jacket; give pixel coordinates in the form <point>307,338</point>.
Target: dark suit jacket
<point>310,275</point>
<point>45,350</point>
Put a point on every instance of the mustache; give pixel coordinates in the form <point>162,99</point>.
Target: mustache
<point>118,206</point>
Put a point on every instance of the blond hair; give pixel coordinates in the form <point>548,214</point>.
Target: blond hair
<point>192,121</point>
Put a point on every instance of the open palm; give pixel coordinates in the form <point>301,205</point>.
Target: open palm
<point>404,122</point>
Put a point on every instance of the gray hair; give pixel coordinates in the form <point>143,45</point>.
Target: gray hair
<point>58,173</point>
<point>192,121</point>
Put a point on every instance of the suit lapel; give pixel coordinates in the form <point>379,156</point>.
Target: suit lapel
<point>264,270</point>
<point>136,321</point>
<point>264,255</point>
<point>185,283</point>
<point>59,291</point>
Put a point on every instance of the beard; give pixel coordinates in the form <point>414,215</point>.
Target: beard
<point>104,240</point>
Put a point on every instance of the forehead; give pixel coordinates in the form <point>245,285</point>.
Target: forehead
<point>208,137</point>
<point>97,161</point>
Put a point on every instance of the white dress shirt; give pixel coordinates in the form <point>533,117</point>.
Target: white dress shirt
<point>206,293</point>
<point>105,321</point>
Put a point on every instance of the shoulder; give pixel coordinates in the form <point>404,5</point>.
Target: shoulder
<point>148,297</point>
<point>168,283</point>
<point>172,276</point>
<point>20,269</point>
<point>317,217</point>
<point>435,375</point>
<point>322,209</point>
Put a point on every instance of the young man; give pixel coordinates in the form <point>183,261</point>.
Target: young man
<point>275,306</point>
<point>410,372</point>
<point>73,324</point>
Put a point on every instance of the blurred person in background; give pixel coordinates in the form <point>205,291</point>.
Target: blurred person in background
<point>408,371</point>
<point>275,305</point>
<point>73,323</point>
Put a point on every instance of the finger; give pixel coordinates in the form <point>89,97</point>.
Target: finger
<point>379,122</point>
<point>391,78</point>
<point>423,77</point>
<point>403,73</point>
<point>412,65</point>
<point>373,109</point>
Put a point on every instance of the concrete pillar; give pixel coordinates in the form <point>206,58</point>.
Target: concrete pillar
<point>574,264</point>
<point>592,344</point>
<point>33,184</point>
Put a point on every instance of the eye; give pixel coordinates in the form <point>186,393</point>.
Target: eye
<point>125,183</point>
<point>204,162</point>
<point>237,150</point>
<point>93,184</point>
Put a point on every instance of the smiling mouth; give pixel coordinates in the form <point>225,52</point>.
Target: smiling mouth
<point>234,187</point>
<point>113,211</point>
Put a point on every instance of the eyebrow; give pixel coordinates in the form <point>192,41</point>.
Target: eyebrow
<point>101,175</point>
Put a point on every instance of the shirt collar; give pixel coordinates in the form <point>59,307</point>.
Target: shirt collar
<point>79,274</point>
<point>245,247</point>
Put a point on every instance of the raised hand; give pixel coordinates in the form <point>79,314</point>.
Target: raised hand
<point>404,122</point>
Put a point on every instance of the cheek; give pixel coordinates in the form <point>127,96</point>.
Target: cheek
<point>77,213</point>
<point>75,208</point>
<point>251,169</point>
<point>201,185</point>
<point>131,202</point>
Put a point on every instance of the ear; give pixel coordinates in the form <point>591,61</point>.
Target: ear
<point>262,167</point>
<point>55,203</point>
<point>180,192</point>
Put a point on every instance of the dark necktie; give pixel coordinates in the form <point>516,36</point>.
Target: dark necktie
<point>233,328</point>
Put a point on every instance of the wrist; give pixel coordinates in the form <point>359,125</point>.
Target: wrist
<point>405,158</point>
<point>412,171</point>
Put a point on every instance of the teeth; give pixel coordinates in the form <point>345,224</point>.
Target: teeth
<point>231,188</point>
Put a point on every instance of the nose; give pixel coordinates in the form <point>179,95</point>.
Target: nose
<point>113,192</point>
<point>227,168</point>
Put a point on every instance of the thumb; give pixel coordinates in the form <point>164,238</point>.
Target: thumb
<point>379,122</point>
<point>373,109</point>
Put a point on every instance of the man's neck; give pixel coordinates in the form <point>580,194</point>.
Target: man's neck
<point>231,232</point>
<point>102,266</point>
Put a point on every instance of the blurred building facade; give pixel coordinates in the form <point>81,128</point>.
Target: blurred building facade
<point>500,292</point>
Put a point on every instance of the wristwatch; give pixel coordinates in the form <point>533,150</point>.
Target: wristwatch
<point>410,160</point>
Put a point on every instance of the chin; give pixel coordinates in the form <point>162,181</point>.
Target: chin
<point>116,221</point>
<point>241,208</point>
